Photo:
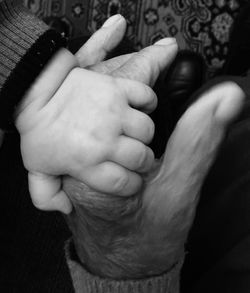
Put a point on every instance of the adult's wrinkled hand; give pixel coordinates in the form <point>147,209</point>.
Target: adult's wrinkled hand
<point>144,235</point>
<point>87,125</point>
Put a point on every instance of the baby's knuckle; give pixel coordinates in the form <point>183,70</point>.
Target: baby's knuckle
<point>120,183</point>
<point>150,128</point>
<point>141,158</point>
<point>151,97</point>
<point>113,96</point>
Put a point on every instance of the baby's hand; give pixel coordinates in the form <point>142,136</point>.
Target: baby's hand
<point>85,124</point>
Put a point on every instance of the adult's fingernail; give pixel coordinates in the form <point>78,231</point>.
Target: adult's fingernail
<point>166,41</point>
<point>112,20</point>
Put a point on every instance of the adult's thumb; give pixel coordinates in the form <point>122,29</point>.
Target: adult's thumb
<point>174,187</point>
<point>195,141</point>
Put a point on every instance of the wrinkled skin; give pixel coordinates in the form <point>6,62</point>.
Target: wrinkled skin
<point>144,235</point>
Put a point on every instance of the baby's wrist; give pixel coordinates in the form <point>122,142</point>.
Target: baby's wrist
<point>45,85</point>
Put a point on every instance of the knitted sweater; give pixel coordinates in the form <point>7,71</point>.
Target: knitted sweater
<point>22,39</point>
<point>26,45</point>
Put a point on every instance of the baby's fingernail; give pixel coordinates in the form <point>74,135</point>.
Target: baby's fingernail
<point>166,41</point>
<point>112,20</point>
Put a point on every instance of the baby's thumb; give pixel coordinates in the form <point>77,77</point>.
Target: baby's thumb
<point>46,193</point>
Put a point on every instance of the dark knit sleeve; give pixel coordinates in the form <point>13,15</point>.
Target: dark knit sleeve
<point>85,282</point>
<point>26,45</point>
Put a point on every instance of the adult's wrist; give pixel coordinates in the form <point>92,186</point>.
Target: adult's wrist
<point>113,239</point>
<point>87,282</point>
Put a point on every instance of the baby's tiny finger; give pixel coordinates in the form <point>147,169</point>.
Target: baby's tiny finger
<point>46,193</point>
<point>111,178</point>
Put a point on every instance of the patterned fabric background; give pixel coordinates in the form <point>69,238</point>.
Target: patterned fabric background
<point>199,25</point>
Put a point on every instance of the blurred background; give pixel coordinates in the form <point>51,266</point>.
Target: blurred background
<point>202,26</point>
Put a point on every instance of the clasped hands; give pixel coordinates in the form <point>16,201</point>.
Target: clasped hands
<point>89,124</point>
<point>144,235</point>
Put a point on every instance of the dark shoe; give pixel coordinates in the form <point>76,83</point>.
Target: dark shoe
<point>185,75</point>
<point>238,59</point>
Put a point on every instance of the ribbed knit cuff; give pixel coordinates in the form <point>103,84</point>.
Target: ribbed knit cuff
<point>19,30</point>
<point>84,282</point>
<point>26,45</point>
